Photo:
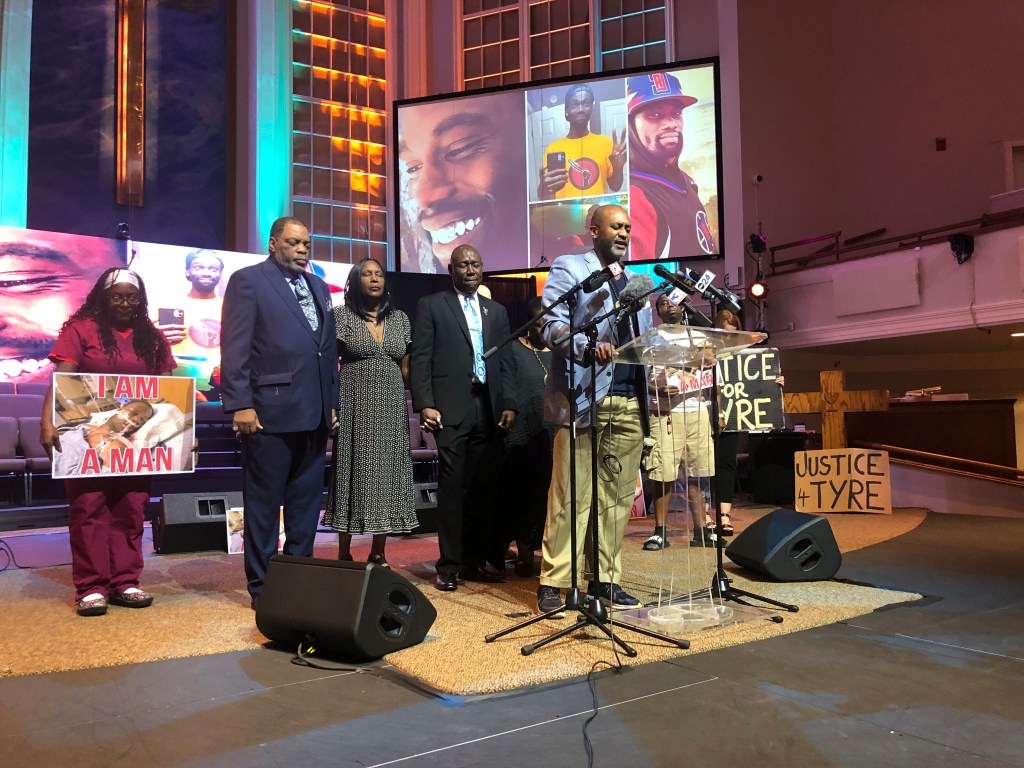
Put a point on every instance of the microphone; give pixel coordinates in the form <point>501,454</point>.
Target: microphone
<point>689,281</point>
<point>601,276</point>
<point>708,291</point>
<point>637,288</point>
<point>595,280</point>
<point>671,277</point>
<point>699,318</point>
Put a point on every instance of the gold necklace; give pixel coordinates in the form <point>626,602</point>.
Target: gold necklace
<point>540,362</point>
<point>375,325</point>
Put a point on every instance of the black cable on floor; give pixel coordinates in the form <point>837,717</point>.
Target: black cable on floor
<point>7,559</point>
<point>8,553</point>
<point>307,646</point>
<point>592,684</point>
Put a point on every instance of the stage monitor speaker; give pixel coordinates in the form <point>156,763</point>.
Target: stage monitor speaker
<point>356,611</point>
<point>788,546</point>
<point>193,522</point>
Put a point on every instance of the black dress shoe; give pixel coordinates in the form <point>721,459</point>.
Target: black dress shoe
<point>482,575</point>
<point>253,603</point>
<point>524,569</point>
<point>445,582</point>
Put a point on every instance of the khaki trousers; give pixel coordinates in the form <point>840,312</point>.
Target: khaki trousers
<point>619,445</point>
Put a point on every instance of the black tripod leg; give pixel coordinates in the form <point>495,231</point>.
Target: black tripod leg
<point>585,619</point>
<point>753,596</point>
<point>678,642</point>
<point>528,649</point>
<point>603,626</point>
<point>528,622</point>
<point>720,588</point>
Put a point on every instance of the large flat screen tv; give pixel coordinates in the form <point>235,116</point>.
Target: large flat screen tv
<point>516,171</point>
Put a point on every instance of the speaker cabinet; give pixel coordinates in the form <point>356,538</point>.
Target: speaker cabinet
<point>193,522</point>
<point>788,546</point>
<point>354,610</point>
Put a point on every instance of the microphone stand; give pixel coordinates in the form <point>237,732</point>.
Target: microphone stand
<point>569,298</point>
<point>591,612</point>
<point>573,598</point>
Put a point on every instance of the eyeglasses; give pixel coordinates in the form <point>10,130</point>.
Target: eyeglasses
<point>119,299</point>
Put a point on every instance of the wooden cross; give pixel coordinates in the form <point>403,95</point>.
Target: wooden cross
<point>834,402</point>
<point>130,136</point>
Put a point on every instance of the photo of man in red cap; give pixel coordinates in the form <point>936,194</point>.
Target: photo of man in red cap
<point>669,219</point>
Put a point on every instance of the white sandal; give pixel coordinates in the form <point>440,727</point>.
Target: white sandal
<point>656,542</point>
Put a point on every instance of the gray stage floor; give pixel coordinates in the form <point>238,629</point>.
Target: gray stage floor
<point>936,683</point>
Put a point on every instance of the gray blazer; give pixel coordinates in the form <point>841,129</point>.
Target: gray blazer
<point>567,271</point>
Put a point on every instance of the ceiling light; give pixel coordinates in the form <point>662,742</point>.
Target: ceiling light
<point>757,290</point>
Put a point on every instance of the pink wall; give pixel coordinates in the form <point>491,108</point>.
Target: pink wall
<point>842,103</point>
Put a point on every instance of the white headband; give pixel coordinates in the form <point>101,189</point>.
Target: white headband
<point>121,276</point>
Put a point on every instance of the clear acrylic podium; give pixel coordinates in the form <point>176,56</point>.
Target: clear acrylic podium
<point>684,345</point>
<point>672,613</point>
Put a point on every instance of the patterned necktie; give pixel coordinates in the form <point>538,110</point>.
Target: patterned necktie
<point>306,302</point>
<point>476,333</point>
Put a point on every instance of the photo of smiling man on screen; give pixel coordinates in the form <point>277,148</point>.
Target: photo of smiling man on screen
<point>461,181</point>
<point>44,276</point>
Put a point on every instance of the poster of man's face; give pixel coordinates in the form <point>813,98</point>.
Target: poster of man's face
<point>516,172</point>
<point>461,181</point>
<point>44,278</point>
<point>186,287</point>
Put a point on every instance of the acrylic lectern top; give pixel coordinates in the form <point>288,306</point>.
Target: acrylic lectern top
<point>684,345</point>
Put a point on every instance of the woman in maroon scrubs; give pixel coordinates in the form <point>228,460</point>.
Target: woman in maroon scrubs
<point>110,333</point>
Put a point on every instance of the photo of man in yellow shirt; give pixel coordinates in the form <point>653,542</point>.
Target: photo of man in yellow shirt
<point>582,163</point>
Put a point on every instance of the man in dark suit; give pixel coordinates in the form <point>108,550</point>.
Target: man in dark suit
<point>279,380</point>
<point>468,402</point>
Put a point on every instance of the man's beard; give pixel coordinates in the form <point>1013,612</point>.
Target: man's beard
<point>668,156</point>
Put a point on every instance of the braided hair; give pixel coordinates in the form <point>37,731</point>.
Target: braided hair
<point>149,344</point>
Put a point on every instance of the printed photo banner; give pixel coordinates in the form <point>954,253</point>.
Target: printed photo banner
<point>123,425</point>
<point>843,480</point>
<point>186,288</point>
<point>46,276</point>
<point>751,398</point>
<point>687,382</point>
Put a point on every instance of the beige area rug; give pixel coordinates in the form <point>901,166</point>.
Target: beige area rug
<point>455,659</point>
<point>202,608</point>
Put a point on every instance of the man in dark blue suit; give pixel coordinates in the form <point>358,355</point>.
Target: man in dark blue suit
<point>279,380</point>
<point>468,403</point>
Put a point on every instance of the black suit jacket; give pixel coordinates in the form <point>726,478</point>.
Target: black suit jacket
<point>441,357</point>
<point>271,359</point>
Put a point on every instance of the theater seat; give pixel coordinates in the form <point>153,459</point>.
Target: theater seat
<point>422,448</point>
<point>10,462</point>
<point>36,459</point>
<point>21,405</point>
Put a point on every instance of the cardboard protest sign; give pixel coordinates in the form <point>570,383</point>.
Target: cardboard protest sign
<point>751,400</point>
<point>123,425</point>
<point>843,480</point>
